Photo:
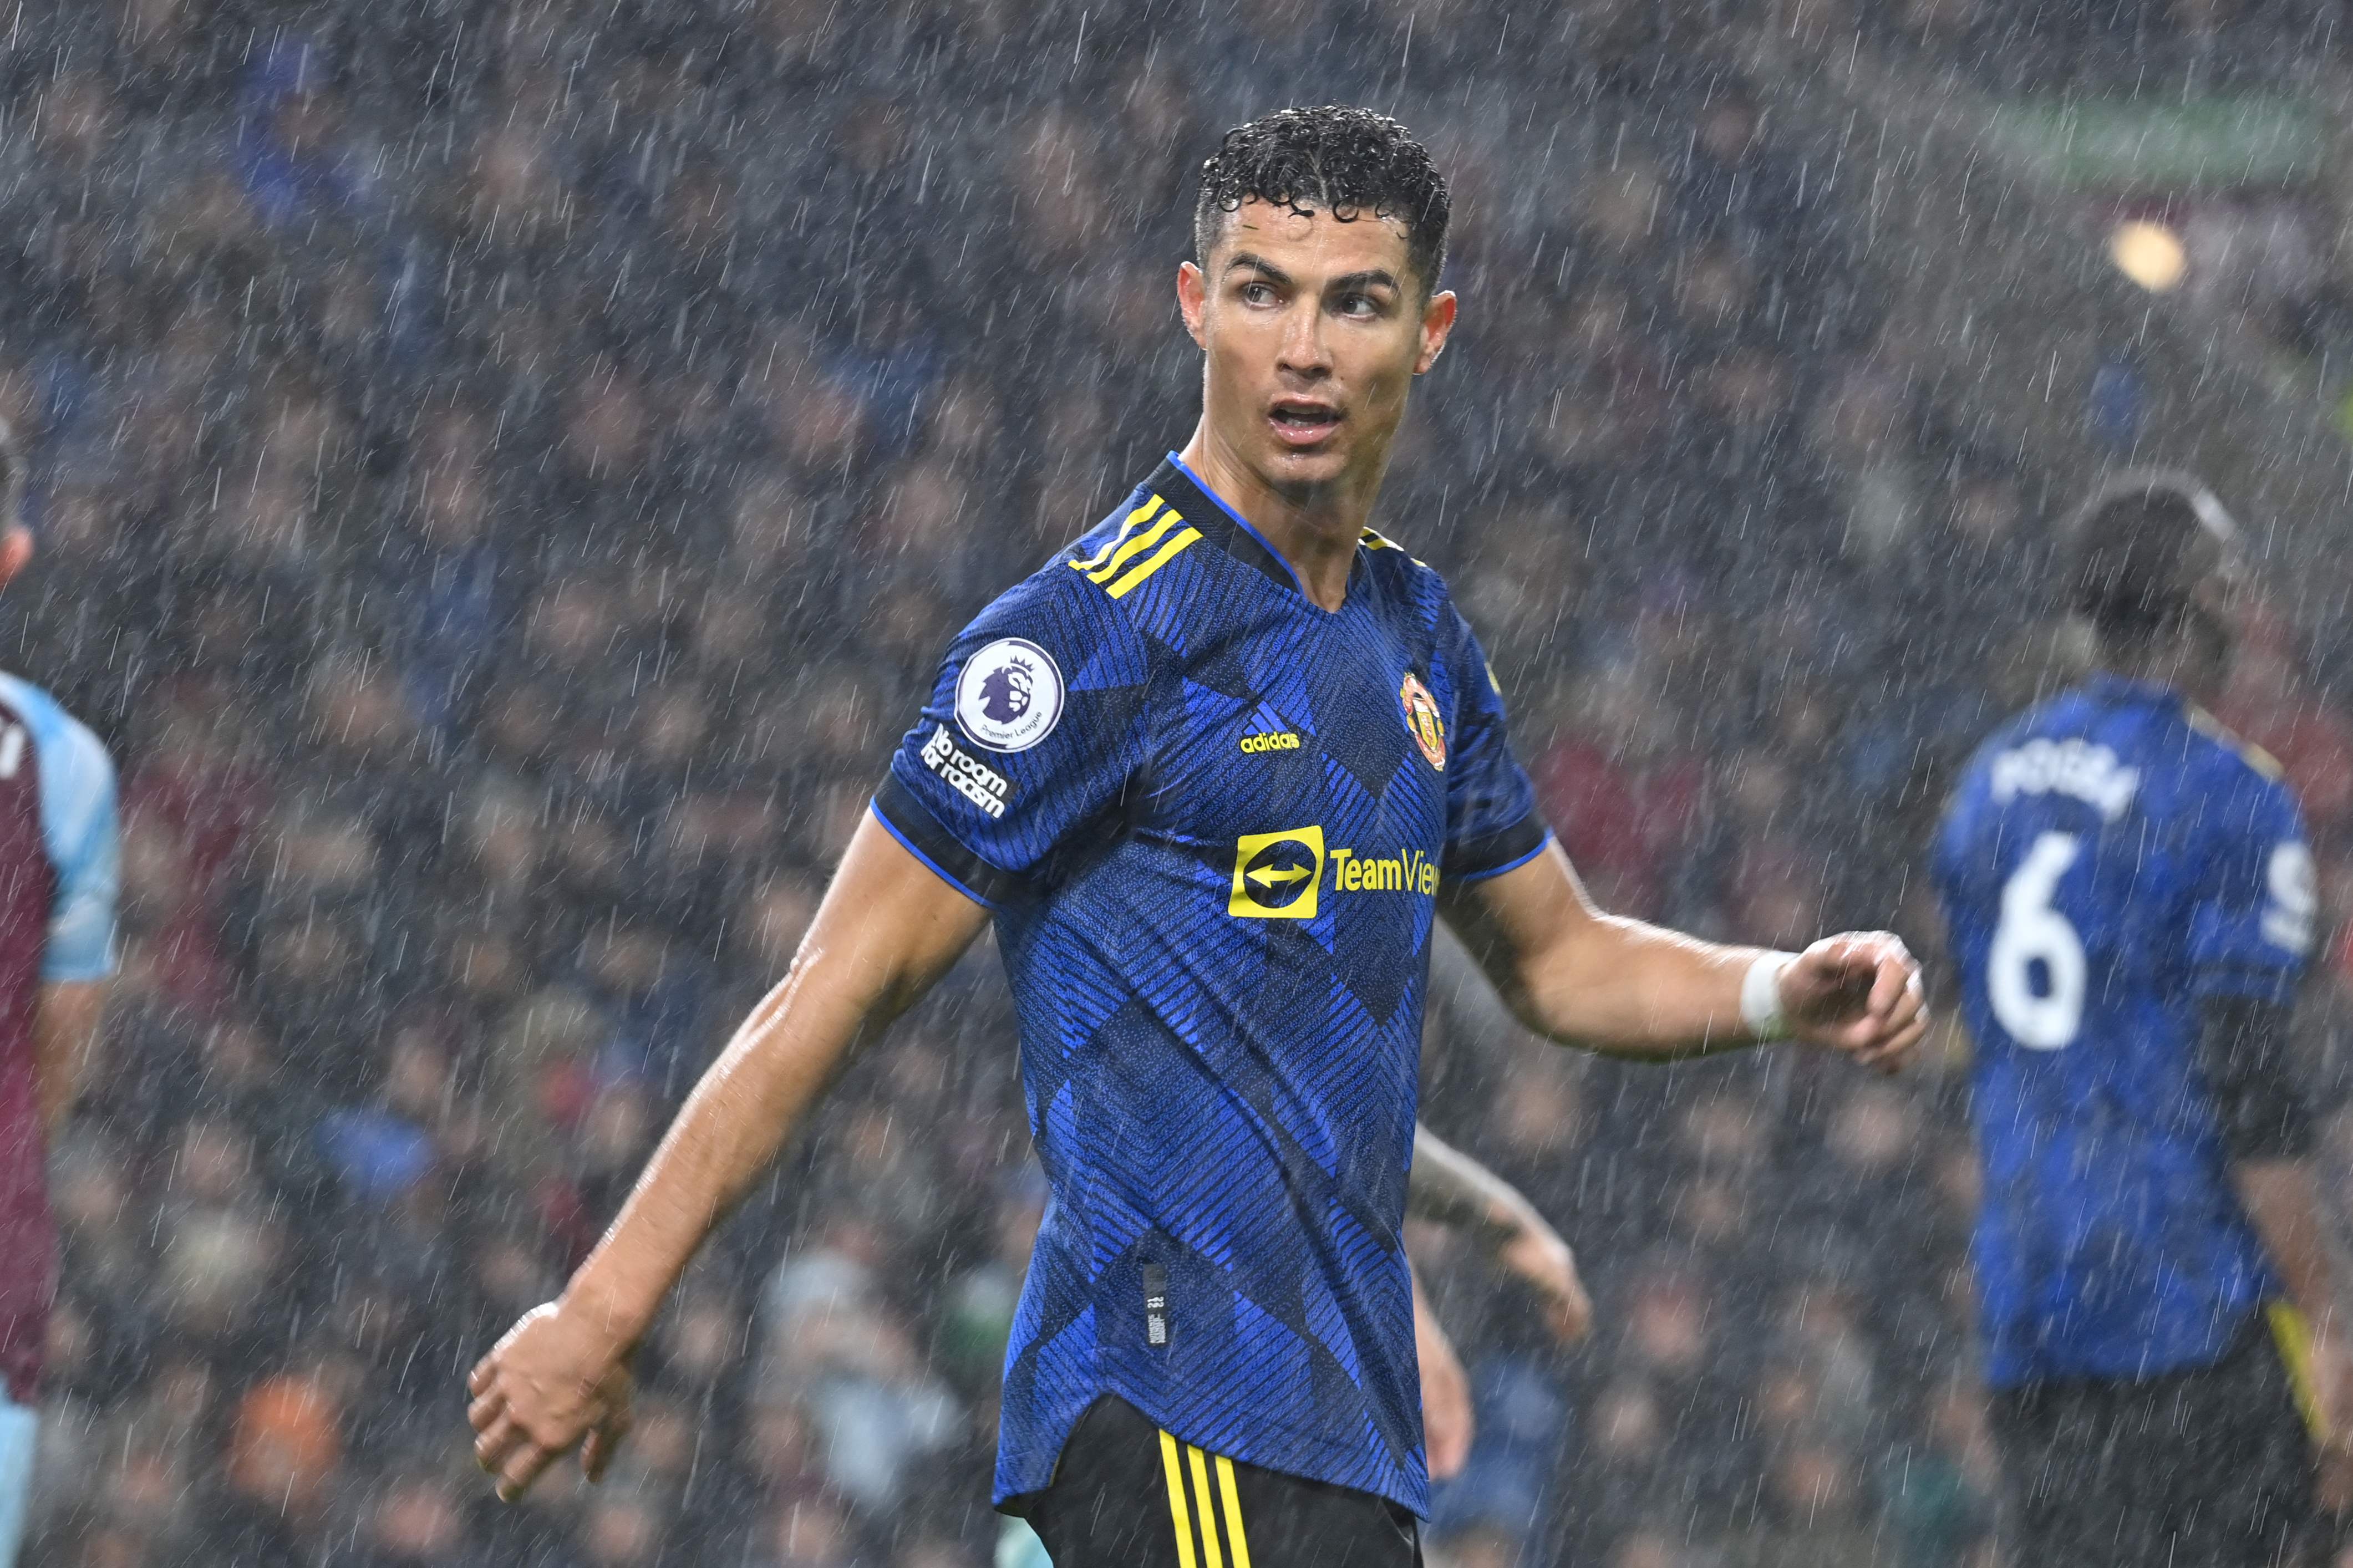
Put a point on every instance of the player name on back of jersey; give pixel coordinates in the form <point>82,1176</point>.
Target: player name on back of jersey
<point>969,776</point>
<point>2088,772</point>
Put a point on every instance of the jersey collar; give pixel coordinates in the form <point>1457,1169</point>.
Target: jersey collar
<point>1205,509</point>
<point>2112,688</point>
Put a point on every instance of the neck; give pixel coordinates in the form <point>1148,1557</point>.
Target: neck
<point>2174,664</point>
<point>1315,528</point>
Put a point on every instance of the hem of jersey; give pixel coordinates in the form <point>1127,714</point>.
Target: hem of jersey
<point>1023,1457</point>
<point>1289,579</point>
<point>81,973</point>
<point>912,848</point>
<point>2008,1379</point>
<point>1510,837</point>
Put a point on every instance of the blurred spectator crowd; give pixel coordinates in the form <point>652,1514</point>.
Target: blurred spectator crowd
<point>507,471</point>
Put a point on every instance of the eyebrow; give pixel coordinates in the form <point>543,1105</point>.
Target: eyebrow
<point>1371,277</point>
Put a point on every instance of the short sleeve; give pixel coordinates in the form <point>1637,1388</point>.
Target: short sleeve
<point>1492,822</point>
<point>1017,769</point>
<point>80,828</point>
<point>2257,896</point>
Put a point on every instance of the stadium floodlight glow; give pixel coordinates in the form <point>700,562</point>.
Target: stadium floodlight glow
<point>2149,254</point>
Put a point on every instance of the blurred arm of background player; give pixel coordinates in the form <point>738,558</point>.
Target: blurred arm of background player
<point>2242,1050</point>
<point>1448,1424</point>
<point>888,928</point>
<point>1578,976</point>
<point>1450,1188</point>
<point>65,1033</point>
<point>67,1016</point>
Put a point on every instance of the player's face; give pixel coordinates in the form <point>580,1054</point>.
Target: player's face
<point>1312,331</point>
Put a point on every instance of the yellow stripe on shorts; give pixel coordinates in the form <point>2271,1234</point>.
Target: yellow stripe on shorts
<point>1207,1511</point>
<point>2292,1335</point>
<point>1235,1536</point>
<point>1177,1509</point>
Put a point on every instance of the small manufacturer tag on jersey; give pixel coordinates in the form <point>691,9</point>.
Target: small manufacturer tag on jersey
<point>1155,1305</point>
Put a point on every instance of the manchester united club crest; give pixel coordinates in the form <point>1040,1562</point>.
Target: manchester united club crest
<point>1422,722</point>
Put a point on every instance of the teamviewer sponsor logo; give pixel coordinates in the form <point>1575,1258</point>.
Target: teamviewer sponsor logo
<point>976,781</point>
<point>1276,875</point>
<point>1280,875</point>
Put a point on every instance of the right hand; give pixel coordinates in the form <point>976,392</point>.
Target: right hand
<point>549,1386</point>
<point>1859,993</point>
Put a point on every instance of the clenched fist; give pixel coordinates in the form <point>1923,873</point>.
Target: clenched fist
<point>1859,993</point>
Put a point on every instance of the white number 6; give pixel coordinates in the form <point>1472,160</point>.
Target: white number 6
<point>2032,928</point>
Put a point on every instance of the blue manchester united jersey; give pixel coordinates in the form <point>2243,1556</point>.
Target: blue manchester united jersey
<point>1211,819</point>
<point>2110,858</point>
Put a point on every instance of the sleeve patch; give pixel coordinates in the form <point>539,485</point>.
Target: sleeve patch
<point>1009,696</point>
<point>967,776</point>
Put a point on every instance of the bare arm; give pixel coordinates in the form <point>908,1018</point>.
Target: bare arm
<point>1578,976</point>
<point>1450,1188</point>
<point>888,928</point>
<point>65,1033</point>
<point>2283,1201</point>
<point>1448,1423</point>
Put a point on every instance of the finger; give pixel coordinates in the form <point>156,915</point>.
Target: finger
<point>1890,1057</point>
<point>1910,1005</point>
<point>522,1468</point>
<point>486,1409</point>
<point>478,1381</point>
<point>496,1441</point>
<point>1575,1318</point>
<point>1896,1042</point>
<point>1893,980</point>
<point>603,1442</point>
<point>1866,1038</point>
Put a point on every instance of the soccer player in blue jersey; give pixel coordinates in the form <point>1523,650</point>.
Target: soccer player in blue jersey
<point>2130,902</point>
<point>1213,770</point>
<point>57,874</point>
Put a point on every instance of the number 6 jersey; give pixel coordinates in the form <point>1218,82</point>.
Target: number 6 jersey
<point>2110,860</point>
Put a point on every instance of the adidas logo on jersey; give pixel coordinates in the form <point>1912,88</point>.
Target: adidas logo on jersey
<point>1287,741</point>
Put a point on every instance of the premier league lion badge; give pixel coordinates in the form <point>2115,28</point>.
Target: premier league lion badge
<point>1009,696</point>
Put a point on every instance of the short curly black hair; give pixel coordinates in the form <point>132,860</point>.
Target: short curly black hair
<point>1349,162</point>
<point>2129,546</point>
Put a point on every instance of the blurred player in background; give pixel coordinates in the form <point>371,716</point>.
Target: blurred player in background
<point>1215,772</point>
<point>2130,900</point>
<point>58,858</point>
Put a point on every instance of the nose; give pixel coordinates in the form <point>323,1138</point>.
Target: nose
<point>1303,354</point>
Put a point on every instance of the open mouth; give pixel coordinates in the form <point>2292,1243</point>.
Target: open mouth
<point>1302,423</point>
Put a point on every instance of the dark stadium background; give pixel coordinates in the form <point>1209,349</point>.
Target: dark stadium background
<point>506,471</point>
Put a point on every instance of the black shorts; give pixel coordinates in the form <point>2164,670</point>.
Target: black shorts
<point>2206,1468</point>
<point>1126,1494</point>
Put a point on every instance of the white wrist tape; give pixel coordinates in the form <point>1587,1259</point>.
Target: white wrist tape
<point>1760,996</point>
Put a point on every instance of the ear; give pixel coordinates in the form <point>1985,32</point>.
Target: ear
<point>16,552</point>
<point>1192,299</point>
<point>1436,322</point>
